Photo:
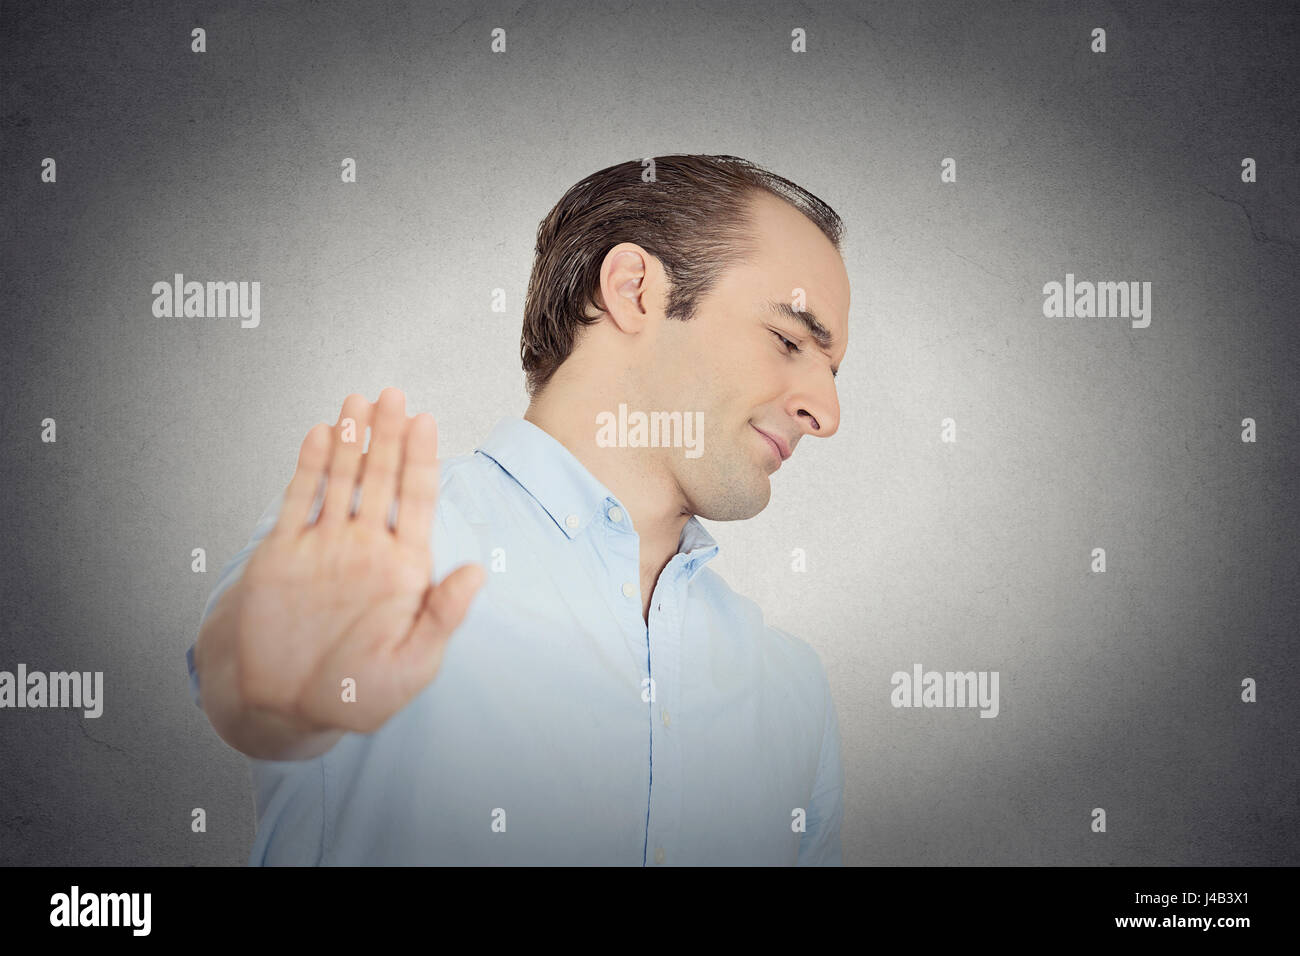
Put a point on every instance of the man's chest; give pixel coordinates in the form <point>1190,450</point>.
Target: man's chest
<point>564,732</point>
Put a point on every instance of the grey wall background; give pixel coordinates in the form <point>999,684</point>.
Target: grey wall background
<point>1118,690</point>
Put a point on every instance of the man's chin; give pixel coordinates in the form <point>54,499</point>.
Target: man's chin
<point>738,504</point>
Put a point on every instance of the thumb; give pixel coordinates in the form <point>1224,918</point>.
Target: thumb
<point>445,605</point>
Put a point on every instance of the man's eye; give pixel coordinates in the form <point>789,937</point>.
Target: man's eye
<point>790,346</point>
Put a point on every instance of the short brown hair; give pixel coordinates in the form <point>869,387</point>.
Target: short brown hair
<point>693,217</point>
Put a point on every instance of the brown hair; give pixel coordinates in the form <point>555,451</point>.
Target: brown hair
<point>693,217</point>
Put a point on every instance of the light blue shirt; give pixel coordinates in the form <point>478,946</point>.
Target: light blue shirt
<point>542,739</point>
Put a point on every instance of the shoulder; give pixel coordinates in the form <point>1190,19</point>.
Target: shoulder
<point>784,653</point>
<point>466,484</point>
<point>462,472</point>
<point>473,514</point>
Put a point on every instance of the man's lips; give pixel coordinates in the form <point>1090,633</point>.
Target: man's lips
<point>777,443</point>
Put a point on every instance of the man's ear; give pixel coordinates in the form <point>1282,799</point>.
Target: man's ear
<point>623,286</point>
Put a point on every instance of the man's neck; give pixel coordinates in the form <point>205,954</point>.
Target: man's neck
<point>653,500</point>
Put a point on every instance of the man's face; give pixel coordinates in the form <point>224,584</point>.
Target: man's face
<point>729,363</point>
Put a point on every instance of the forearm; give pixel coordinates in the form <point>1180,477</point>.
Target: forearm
<point>253,732</point>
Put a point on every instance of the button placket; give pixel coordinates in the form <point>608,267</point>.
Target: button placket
<point>664,639</point>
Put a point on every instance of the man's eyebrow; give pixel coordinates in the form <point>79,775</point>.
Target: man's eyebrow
<point>821,335</point>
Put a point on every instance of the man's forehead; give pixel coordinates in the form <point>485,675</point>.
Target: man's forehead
<point>805,260</point>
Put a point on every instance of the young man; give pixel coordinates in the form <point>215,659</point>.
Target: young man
<point>578,687</point>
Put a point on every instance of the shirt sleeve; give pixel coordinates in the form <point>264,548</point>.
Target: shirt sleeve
<point>820,843</point>
<point>229,575</point>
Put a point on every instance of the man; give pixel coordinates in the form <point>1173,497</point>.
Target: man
<point>577,687</point>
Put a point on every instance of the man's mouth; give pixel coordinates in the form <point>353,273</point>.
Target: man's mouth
<point>774,444</point>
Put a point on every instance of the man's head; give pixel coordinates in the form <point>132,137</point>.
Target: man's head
<point>675,295</point>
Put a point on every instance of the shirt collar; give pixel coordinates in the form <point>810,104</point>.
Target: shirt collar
<point>571,494</point>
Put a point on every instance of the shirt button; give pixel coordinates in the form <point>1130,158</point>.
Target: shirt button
<point>659,854</point>
<point>572,521</point>
<point>629,589</point>
<point>665,717</point>
<point>616,515</point>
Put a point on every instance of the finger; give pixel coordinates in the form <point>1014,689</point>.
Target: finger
<point>417,494</point>
<point>345,459</point>
<point>300,495</point>
<point>379,469</point>
<point>445,605</point>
